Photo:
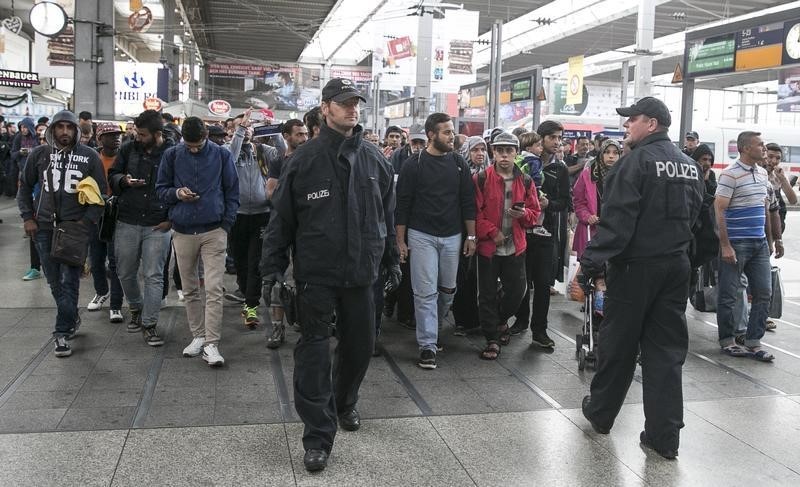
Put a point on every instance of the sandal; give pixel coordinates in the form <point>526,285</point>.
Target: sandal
<point>761,355</point>
<point>736,351</point>
<point>505,335</point>
<point>491,352</point>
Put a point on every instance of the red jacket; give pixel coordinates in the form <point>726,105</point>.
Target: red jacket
<point>490,203</point>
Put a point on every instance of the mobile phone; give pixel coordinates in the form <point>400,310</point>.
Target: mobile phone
<point>138,181</point>
<point>518,205</point>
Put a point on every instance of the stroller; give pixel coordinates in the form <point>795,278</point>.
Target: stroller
<point>586,340</point>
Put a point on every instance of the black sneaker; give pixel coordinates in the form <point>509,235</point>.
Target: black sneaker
<point>542,340</point>
<point>427,359</point>
<point>668,454</point>
<point>515,330</point>
<point>74,330</point>
<point>62,347</point>
<point>151,337</point>
<point>135,324</point>
<point>236,296</point>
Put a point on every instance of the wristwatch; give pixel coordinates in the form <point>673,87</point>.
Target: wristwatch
<point>472,237</point>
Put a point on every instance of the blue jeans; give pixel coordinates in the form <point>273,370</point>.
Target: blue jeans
<point>64,281</point>
<point>137,246</point>
<point>98,252</point>
<point>434,266</point>
<point>753,260</point>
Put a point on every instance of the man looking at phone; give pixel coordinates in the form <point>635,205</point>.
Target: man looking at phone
<point>198,182</point>
<point>142,236</point>
<point>507,204</point>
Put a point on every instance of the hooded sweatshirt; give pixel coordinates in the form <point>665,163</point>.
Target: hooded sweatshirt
<point>252,182</point>
<point>66,167</point>
<point>472,142</point>
<point>23,141</point>
<point>711,180</point>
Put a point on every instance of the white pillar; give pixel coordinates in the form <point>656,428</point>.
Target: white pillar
<point>422,92</point>
<point>645,30</point>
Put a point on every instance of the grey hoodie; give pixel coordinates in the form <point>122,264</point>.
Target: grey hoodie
<point>67,167</point>
<point>252,183</point>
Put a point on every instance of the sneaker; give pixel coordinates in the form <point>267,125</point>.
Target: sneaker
<point>278,335</point>
<point>542,340</point>
<point>32,275</point>
<point>250,315</point>
<point>62,347</point>
<point>427,359</point>
<point>74,330</point>
<point>163,302</point>
<point>645,442</point>
<point>515,330</point>
<point>115,316</point>
<point>541,232</point>
<point>151,337</point>
<point>771,325</point>
<point>739,340</point>
<point>236,296</point>
<point>439,347</point>
<point>195,348</point>
<point>180,295</point>
<point>135,325</point>
<point>211,355</point>
<point>97,302</point>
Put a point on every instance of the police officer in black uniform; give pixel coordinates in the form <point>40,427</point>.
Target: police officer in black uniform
<point>331,206</point>
<point>652,199</point>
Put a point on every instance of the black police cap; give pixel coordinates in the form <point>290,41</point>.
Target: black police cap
<point>651,107</point>
<point>339,90</point>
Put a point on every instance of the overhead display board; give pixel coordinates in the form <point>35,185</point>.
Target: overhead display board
<point>756,44</point>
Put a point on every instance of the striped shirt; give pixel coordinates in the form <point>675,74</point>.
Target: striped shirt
<point>748,189</point>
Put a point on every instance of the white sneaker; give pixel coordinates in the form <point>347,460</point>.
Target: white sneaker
<point>541,232</point>
<point>97,302</point>
<point>195,348</point>
<point>180,295</point>
<point>211,355</point>
<point>115,316</point>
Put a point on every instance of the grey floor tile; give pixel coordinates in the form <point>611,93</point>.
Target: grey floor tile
<point>232,395</point>
<point>506,394</point>
<point>739,387</point>
<point>700,391</point>
<point>515,453</point>
<point>31,420</point>
<point>94,398</point>
<point>557,381</point>
<point>708,456</point>
<point>97,418</point>
<point>248,413</point>
<point>58,399</point>
<point>222,455</point>
<point>115,381</point>
<point>768,424</point>
<point>385,400</point>
<point>190,415</point>
<point>183,396</point>
<point>55,459</point>
<point>451,396</point>
<point>392,447</point>
<point>569,398</point>
<point>53,382</point>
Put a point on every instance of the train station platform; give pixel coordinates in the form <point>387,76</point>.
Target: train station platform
<point>118,412</point>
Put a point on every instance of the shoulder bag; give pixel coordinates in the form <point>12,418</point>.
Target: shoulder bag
<point>70,244</point>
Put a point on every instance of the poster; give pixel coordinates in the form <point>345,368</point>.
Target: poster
<point>575,81</point>
<point>54,56</point>
<point>133,84</point>
<point>275,86</point>
<point>789,90</point>
<point>452,52</point>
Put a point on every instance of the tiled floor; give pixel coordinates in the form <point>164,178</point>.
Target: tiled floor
<point>120,413</point>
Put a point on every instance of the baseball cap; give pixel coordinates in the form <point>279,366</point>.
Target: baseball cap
<point>505,138</point>
<point>216,130</point>
<point>652,107</point>
<point>340,89</point>
<point>417,132</point>
<point>107,128</point>
<point>692,135</point>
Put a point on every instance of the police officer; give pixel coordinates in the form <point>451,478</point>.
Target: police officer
<point>332,203</point>
<point>652,199</point>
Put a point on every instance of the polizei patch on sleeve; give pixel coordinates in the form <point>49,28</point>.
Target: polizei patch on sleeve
<point>323,193</point>
<point>677,170</point>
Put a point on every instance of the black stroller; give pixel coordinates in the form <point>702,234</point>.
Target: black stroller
<point>586,340</point>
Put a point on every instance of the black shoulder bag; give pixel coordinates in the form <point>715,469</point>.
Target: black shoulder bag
<point>70,244</point>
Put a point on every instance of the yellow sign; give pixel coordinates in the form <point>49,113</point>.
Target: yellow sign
<point>575,81</point>
<point>677,76</point>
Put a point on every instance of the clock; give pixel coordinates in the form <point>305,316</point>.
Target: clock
<point>792,44</point>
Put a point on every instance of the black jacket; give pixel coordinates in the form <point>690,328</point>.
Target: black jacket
<point>558,190</point>
<point>332,204</point>
<point>652,199</point>
<point>138,206</point>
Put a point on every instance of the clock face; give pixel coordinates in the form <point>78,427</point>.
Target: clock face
<point>793,42</point>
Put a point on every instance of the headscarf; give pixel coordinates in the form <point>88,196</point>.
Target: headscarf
<point>599,167</point>
<point>472,142</point>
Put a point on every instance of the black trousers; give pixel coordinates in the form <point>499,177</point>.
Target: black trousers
<point>645,308</point>
<point>245,241</point>
<point>318,398</point>
<point>495,307</point>
<point>465,302</point>
<point>403,296</point>
<point>539,269</point>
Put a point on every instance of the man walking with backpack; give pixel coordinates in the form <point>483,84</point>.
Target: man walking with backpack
<point>507,204</point>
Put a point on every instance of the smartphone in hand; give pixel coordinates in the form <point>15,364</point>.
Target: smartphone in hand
<point>520,205</point>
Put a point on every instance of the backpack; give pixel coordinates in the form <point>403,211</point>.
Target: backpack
<point>705,244</point>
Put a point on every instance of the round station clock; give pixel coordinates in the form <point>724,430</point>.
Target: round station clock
<point>793,42</point>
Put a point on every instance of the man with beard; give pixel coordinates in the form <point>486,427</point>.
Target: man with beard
<point>294,133</point>
<point>142,235</point>
<point>109,137</point>
<point>435,197</point>
<point>331,208</point>
<point>58,167</point>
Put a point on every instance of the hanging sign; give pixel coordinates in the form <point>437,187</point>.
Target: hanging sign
<point>219,107</point>
<point>18,79</point>
<point>153,103</point>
